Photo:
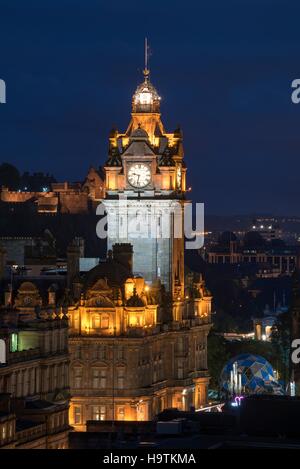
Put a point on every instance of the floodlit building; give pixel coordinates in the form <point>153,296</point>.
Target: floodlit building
<point>138,334</point>
<point>34,367</point>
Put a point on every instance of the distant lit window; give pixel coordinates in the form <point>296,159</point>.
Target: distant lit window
<point>145,97</point>
<point>14,342</point>
<point>120,378</point>
<point>77,415</point>
<point>98,412</point>
<point>103,376</point>
<point>96,321</point>
<point>121,413</point>
<point>2,351</point>
<point>104,321</point>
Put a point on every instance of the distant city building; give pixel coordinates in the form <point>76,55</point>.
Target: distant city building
<point>66,197</point>
<point>269,256</point>
<point>138,334</point>
<point>137,329</point>
<point>130,358</point>
<point>34,366</point>
<point>267,228</point>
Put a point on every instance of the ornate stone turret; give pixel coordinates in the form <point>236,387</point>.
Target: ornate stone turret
<point>123,253</point>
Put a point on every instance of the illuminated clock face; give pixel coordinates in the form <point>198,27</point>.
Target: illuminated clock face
<point>139,175</point>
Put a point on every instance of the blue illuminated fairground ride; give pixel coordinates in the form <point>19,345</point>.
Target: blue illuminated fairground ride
<point>249,374</point>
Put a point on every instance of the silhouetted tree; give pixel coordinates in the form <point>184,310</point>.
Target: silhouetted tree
<point>9,176</point>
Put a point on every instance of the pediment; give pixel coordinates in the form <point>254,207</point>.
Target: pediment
<point>28,296</point>
<point>139,149</point>
<point>100,301</point>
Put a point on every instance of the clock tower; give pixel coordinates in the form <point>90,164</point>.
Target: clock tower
<point>145,192</point>
<point>138,334</point>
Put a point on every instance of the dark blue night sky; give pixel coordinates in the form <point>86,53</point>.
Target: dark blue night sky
<point>223,68</point>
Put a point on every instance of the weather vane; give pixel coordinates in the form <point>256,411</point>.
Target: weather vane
<point>146,69</point>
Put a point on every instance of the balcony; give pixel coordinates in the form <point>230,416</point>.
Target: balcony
<point>28,431</point>
<point>24,355</point>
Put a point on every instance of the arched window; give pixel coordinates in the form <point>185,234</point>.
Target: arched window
<point>2,351</point>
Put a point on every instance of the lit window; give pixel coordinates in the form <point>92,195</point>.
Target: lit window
<point>14,342</point>
<point>102,378</point>
<point>121,413</point>
<point>2,351</point>
<point>104,321</point>
<point>120,378</point>
<point>145,98</point>
<point>96,321</point>
<point>98,412</point>
<point>77,415</point>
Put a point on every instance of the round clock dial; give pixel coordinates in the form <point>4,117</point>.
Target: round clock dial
<point>139,175</point>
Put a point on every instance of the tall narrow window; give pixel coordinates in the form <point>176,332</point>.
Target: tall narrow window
<point>120,353</point>
<point>95,378</point>
<point>96,412</point>
<point>120,378</point>
<point>14,342</point>
<point>2,351</point>
<point>121,413</point>
<point>96,321</point>
<point>77,415</point>
<point>101,352</point>
<point>104,321</point>
<point>78,377</point>
<point>180,369</point>
<point>103,376</point>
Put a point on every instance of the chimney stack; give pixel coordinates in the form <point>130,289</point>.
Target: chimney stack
<point>123,254</point>
<point>73,256</point>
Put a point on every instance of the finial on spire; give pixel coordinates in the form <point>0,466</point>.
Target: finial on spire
<point>146,69</point>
